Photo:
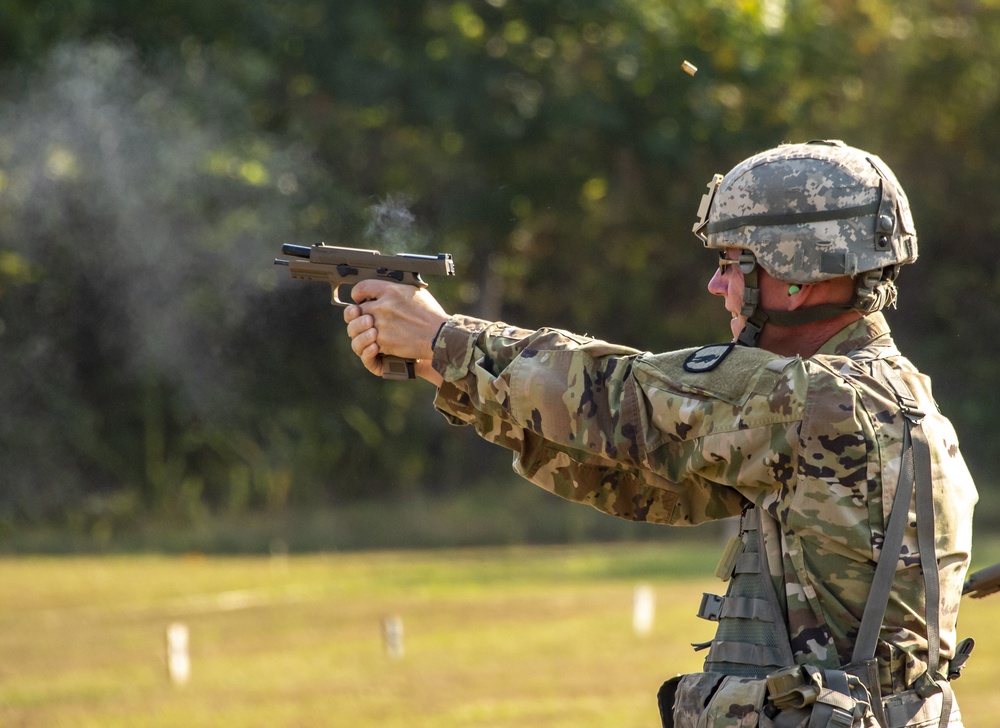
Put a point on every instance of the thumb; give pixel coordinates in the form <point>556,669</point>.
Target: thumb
<point>368,290</point>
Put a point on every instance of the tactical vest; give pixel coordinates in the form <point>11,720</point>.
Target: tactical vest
<point>752,640</point>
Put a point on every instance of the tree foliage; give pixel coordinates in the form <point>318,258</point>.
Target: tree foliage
<point>154,157</point>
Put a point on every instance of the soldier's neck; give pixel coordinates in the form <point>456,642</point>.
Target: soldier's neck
<point>804,340</point>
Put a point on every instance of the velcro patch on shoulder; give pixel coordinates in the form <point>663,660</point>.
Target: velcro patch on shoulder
<point>708,357</point>
<point>729,376</point>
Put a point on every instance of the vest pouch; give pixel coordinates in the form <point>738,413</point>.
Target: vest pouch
<point>806,698</point>
<point>714,700</point>
<point>830,698</point>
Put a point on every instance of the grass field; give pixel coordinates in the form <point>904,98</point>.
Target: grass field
<point>501,638</point>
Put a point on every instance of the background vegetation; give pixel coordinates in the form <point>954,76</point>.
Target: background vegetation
<point>155,367</point>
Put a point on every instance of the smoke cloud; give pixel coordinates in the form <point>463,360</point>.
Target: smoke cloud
<point>153,191</point>
<point>392,227</point>
<point>140,211</point>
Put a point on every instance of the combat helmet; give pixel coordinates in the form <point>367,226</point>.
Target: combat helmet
<point>807,213</point>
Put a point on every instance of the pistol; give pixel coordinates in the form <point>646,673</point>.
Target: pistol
<point>347,266</point>
<point>983,583</point>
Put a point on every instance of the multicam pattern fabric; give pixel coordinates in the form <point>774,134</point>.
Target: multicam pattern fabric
<point>736,703</point>
<point>811,212</point>
<point>815,442</point>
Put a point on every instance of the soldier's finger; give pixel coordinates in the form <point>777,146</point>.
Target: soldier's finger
<point>360,325</point>
<point>369,290</point>
<point>351,313</point>
<point>371,359</point>
<point>364,340</point>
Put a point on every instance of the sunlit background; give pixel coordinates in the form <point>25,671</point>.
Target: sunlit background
<point>169,398</point>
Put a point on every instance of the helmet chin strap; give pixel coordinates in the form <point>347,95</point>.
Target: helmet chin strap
<point>750,335</point>
<point>757,317</point>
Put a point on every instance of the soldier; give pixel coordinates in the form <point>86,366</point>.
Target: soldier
<point>855,505</point>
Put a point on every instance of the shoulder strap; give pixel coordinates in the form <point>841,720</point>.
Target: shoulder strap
<point>878,598</point>
<point>862,661</point>
<point>914,475</point>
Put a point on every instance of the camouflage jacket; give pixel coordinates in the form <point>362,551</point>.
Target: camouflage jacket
<point>815,442</point>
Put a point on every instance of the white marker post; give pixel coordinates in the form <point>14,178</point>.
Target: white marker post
<point>643,609</point>
<point>392,636</point>
<point>178,657</point>
<point>279,556</point>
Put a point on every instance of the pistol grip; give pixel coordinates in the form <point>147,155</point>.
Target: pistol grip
<point>395,368</point>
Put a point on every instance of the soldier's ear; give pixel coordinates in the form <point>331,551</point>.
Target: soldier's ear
<point>798,294</point>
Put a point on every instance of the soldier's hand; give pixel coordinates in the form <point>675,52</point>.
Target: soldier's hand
<point>394,319</point>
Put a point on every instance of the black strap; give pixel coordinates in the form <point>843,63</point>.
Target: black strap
<point>792,218</point>
<point>801,316</point>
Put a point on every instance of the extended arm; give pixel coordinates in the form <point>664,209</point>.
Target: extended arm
<point>588,420</point>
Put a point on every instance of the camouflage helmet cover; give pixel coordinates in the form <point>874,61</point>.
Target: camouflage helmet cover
<point>810,212</point>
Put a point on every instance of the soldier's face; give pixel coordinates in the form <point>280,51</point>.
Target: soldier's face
<point>728,283</point>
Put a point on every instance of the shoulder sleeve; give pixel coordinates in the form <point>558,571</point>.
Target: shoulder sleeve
<point>736,425</point>
<point>609,414</point>
<point>732,380</point>
<point>528,378</point>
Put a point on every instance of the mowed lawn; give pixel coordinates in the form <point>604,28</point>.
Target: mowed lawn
<point>495,637</point>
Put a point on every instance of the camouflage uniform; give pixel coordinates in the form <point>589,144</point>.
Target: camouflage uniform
<point>816,443</point>
<point>810,451</point>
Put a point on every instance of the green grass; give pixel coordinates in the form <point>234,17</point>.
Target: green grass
<point>499,516</point>
<point>494,637</point>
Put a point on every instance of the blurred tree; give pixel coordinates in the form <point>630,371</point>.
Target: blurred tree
<point>154,157</point>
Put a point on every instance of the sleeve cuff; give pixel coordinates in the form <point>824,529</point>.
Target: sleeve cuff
<point>455,346</point>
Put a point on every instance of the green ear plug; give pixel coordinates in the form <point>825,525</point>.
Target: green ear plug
<point>793,289</point>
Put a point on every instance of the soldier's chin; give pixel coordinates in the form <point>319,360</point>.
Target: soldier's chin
<point>737,324</point>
